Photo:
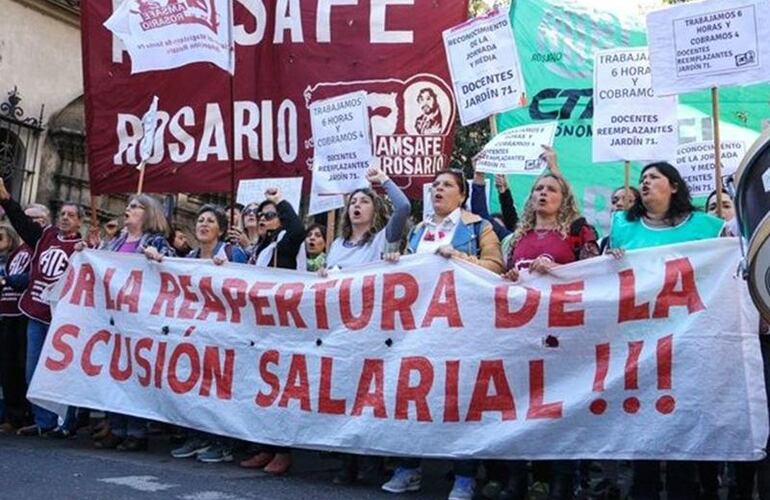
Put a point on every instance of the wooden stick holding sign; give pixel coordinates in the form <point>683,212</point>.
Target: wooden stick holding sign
<point>140,183</point>
<point>331,215</point>
<point>717,148</point>
<point>626,183</point>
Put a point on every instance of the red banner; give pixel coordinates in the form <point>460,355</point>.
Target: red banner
<point>288,54</point>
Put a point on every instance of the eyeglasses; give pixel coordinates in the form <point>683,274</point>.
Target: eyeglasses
<point>250,211</point>
<point>267,215</point>
<point>134,205</point>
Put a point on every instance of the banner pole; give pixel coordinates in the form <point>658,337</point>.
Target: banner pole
<point>140,184</point>
<point>493,126</point>
<point>330,222</point>
<point>233,193</point>
<point>717,148</point>
<point>626,182</point>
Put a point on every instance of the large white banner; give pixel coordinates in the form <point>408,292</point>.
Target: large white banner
<point>167,34</point>
<point>630,122</point>
<point>709,44</point>
<point>652,356</point>
<point>484,64</point>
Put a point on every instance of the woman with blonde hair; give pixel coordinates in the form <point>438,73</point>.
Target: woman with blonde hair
<point>551,232</point>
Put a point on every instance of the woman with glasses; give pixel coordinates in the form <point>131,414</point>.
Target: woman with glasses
<point>13,329</point>
<point>210,228</point>
<point>450,232</point>
<point>248,237</point>
<point>145,231</point>
<point>366,233</point>
<point>281,236</point>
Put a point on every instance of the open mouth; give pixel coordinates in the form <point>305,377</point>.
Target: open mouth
<point>356,213</point>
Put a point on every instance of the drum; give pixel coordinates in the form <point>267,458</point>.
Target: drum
<point>758,259</point>
<point>752,191</point>
<point>752,207</point>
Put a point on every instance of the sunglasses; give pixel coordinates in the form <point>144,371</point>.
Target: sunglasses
<point>250,211</point>
<point>267,215</point>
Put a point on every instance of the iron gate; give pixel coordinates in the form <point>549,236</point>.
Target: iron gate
<point>19,143</point>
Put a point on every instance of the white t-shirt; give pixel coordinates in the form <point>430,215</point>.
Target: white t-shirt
<point>342,255</point>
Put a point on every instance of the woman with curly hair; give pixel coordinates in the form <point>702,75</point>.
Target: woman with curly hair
<point>551,232</point>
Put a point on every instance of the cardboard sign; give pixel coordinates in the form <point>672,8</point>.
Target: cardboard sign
<point>707,44</point>
<point>630,122</point>
<point>517,150</point>
<point>319,204</point>
<point>342,144</point>
<point>484,65</point>
<point>695,162</point>
<point>253,190</point>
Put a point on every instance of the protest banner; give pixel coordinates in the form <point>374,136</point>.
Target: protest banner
<point>484,65</point>
<point>709,44</point>
<point>167,34</point>
<point>630,122</point>
<point>342,149</point>
<point>517,150</point>
<point>253,190</point>
<point>695,162</point>
<point>558,72</point>
<point>644,358</point>
<point>284,66</point>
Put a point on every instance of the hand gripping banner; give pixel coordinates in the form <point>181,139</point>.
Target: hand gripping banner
<point>652,356</point>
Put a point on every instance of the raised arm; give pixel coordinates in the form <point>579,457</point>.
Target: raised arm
<point>28,230</point>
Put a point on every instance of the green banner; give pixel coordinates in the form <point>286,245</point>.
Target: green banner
<point>556,40</point>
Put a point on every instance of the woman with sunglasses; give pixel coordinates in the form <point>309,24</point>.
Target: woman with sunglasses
<point>210,228</point>
<point>248,237</point>
<point>146,231</point>
<point>281,234</point>
<point>366,235</point>
<point>450,232</point>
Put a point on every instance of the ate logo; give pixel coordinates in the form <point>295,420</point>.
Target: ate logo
<point>53,262</point>
<point>19,263</point>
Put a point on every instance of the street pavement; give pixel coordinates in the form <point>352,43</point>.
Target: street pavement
<point>34,468</point>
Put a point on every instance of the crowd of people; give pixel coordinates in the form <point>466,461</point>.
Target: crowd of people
<point>547,232</point>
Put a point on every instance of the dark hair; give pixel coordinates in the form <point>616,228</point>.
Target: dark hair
<point>637,194</point>
<point>266,203</point>
<point>236,205</point>
<point>429,91</point>
<point>219,214</point>
<point>712,195</point>
<point>681,202</point>
<point>318,226</point>
<point>459,176</point>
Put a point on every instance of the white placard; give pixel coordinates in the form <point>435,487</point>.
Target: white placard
<point>253,190</point>
<point>320,204</point>
<point>167,34</point>
<point>484,65</point>
<point>630,122</point>
<point>517,150</point>
<point>708,44</point>
<point>695,162</point>
<point>342,143</point>
<point>427,204</point>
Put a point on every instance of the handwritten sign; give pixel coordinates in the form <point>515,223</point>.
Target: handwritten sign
<point>630,121</point>
<point>484,64</point>
<point>342,143</point>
